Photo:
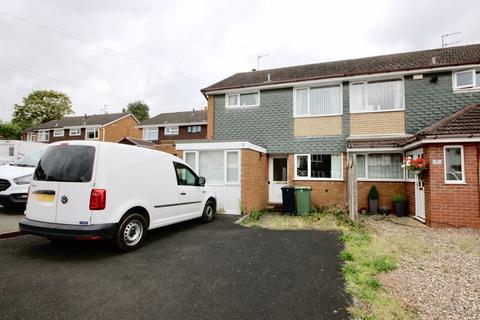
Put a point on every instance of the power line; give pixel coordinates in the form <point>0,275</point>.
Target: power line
<point>96,45</point>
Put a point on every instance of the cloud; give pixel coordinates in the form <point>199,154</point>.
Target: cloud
<point>195,43</point>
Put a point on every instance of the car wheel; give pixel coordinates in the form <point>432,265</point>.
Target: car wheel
<point>131,232</point>
<point>209,211</point>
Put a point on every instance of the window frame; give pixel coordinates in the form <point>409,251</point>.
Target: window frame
<point>309,115</point>
<point>144,137</point>
<point>197,160</point>
<point>238,106</point>
<point>188,169</point>
<point>309,166</point>
<point>44,132</point>
<point>404,178</point>
<point>75,135</point>
<point>55,135</point>
<point>462,156</point>
<point>97,130</point>
<point>366,82</point>
<point>474,86</point>
<point>198,129</point>
<point>31,136</point>
<point>225,167</point>
<point>169,133</point>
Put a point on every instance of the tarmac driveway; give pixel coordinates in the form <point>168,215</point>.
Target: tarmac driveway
<point>187,271</point>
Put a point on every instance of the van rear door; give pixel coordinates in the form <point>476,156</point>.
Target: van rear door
<point>42,201</point>
<point>71,167</point>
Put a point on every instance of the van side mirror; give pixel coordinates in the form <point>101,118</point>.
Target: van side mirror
<point>201,181</point>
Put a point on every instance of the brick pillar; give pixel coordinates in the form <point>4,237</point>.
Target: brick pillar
<point>210,116</point>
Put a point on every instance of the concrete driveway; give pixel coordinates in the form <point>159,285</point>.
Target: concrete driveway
<point>187,271</point>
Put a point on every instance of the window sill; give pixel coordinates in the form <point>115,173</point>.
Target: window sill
<point>317,179</point>
<point>317,116</point>
<point>378,111</point>
<point>455,183</point>
<point>466,90</point>
<point>242,107</point>
<point>381,180</point>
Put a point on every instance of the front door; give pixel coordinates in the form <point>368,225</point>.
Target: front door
<point>278,177</point>
<point>419,199</point>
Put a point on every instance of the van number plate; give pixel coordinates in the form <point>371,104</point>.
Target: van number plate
<point>44,197</point>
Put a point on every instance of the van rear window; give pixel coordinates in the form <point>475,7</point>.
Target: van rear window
<point>66,163</point>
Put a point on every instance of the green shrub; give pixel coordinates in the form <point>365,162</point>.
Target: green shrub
<point>256,214</point>
<point>373,193</point>
<point>398,198</point>
<point>346,256</point>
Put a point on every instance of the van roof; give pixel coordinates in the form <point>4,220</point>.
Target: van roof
<point>115,145</point>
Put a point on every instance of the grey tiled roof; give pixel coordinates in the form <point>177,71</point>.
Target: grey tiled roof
<point>139,142</point>
<point>178,117</point>
<point>379,141</point>
<point>464,121</point>
<point>451,56</point>
<point>79,121</point>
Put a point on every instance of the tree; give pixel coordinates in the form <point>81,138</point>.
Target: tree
<point>9,131</point>
<point>139,109</point>
<point>41,106</point>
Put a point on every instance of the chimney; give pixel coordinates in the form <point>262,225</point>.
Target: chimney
<point>254,69</point>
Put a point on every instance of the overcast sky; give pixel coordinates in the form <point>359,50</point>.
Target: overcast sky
<point>184,46</point>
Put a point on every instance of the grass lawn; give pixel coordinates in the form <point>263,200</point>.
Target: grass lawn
<point>366,256</point>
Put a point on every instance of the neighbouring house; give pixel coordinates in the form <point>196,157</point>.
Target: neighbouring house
<point>167,129</point>
<point>314,125</point>
<point>109,127</point>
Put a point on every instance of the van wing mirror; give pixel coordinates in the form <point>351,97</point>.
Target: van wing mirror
<point>201,181</point>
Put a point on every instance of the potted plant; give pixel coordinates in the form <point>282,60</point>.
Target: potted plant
<point>418,166</point>
<point>373,199</point>
<point>400,202</point>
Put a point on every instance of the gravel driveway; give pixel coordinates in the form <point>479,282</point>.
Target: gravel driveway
<point>187,271</point>
<point>439,274</point>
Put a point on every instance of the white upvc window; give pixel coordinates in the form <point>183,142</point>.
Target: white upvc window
<point>318,101</point>
<point>44,135</point>
<point>218,167</point>
<point>466,79</point>
<point>31,136</point>
<point>194,129</point>
<point>454,164</point>
<point>318,167</point>
<point>74,132</point>
<point>171,130</point>
<point>380,166</point>
<point>191,158</point>
<point>385,95</point>
<point>91,134</point>
<point>58,133</point>
<point>232,167</point>
<point>150,134</point>
<point>239,100</point>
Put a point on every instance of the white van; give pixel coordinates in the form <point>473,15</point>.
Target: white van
<point>98,190</point>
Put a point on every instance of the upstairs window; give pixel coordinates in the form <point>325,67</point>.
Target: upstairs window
<point>251,99</point>
<point>91,134</point>
<point>58,132</point>
<point>376,96</point>
<point>43,136</point>
<point>150,134</point>
<point>194,129</point>
<point>318,101</point>
<point>172,130</point>
<point>467,79</point>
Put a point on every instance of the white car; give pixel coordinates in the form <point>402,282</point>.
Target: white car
<point>15,179</point>
<point>98,190</point>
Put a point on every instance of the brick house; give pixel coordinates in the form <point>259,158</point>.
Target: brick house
<point>166,129</point>
<point>109,127</point>
<point>316,124</point>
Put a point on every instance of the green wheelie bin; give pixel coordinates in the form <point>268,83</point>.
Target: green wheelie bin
<point>303,199</point>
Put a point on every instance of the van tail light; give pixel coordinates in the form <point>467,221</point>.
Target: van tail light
<point>98,198</point>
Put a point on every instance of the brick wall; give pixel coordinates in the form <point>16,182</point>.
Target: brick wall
<point>183,134</point>
<point>210,117</point>
<point>385,191</point>
<point>119,129</point>
<point>318,126</point>
<point>377,123</point>
<point>410,193</point>
<point>455,205</point>
<point>254,180</point>
<point>169,147</point>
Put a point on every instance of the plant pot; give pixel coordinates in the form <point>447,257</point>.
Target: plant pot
<point>373,204</point>
<point>400,209</point>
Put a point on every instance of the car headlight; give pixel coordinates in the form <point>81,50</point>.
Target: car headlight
<point>24,179</point>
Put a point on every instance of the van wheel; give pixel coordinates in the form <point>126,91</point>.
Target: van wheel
<point>209,211</point>
<point>130,233</point>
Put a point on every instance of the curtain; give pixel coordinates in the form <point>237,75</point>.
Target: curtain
<point>232,167</point>
<point>302,102</point>
<point>212,166</point>
<point>360,166</point>
<point>325,100</point>
<point>190,160</point>
<point>384,95</point>
<point>357,100</point>
<point>385,166</point>
<point>249,99</point>
<point>336,166</point>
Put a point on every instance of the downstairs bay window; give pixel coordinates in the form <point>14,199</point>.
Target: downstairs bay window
<point>318,167</point>
<point>380,166</point>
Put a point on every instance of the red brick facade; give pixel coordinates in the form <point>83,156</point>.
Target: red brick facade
<point>254,180</point>
<point>385,191</point>
<point>456,205</point>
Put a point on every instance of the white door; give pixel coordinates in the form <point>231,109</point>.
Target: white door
<point>419,199</point>
<point>278,177</point>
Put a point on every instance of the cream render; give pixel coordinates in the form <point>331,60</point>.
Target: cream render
<point>388,122</point>
<point>318,126</point>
